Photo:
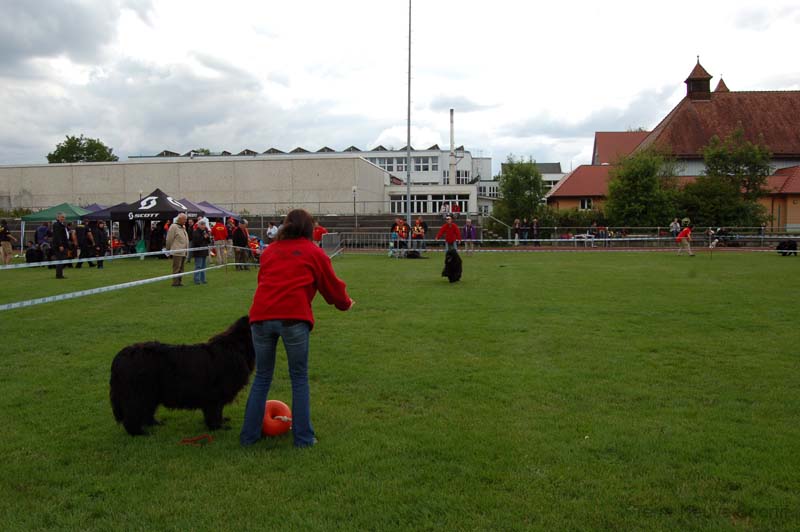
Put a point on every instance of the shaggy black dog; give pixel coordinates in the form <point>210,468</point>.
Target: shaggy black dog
<point>787,247</point>
<point>206,376</point>
<point>452,266</point>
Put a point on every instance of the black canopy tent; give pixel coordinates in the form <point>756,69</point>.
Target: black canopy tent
<point>154,207</point>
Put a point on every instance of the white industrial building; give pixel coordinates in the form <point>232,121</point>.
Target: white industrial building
<point>325,181</point>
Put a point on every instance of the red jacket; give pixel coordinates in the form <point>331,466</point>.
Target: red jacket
<point>291,273</point>
<point>450,232</point>
<point>685,233</point>
<point>318,232</point>
<point>219,231</point>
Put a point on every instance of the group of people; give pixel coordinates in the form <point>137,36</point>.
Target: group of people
<point>525,230</point>
<point>65,240</point>
<point>401,234</point>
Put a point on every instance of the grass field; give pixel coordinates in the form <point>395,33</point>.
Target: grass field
<point>551,391</point>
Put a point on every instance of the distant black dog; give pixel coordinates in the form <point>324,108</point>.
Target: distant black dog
<point>206,376</point>
<point>787,247</point>
<point>452,266</point>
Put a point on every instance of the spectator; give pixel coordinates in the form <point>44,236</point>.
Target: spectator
<point>85,240</point>
<point>220,234</point>
<point>318,232</point>
<point>293,270</point>
<point>177,244</point>
<point>6,249</point>
<point>201,238</point>
<point>444,210</point>
<point>241,240</point>
<point>60,243</point>
<point>456,208</point>
<point>272,233</point>
<point>516,229</point>
<point>100,242</point>
<point>231,227</point>
<point>535,231</point>
<point>525,228</point>
<point>468,236</point>
<point>33,253</point>
<point>418,234</point>
<point>41,232</point>
<point>451,234</point>
<point>675,227</point>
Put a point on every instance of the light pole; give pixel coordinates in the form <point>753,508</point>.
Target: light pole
<point>355,214</point>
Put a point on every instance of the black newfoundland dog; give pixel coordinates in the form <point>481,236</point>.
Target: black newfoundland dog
<point>452,266</point>
<point>202,376</point>
<point>787,247</point>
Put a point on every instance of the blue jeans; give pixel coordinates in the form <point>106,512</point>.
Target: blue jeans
<point>200,264</point>
<point>448,247</point>
<point>265,340</point>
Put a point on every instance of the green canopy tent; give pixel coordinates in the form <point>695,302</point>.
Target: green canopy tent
<point>71,214</point>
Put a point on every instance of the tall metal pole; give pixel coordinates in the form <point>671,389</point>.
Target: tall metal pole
<point>408,128</point>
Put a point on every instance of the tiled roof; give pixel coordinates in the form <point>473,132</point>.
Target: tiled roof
<point>609,146</point>
<point>698,72</point>
<point>585,181</point>
<point>691,124</point>
<point>785,181</point>
<point>721,87</point>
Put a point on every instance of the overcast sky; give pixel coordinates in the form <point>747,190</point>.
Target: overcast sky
<point>525,78</point>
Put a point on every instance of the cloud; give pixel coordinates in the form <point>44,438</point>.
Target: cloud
<point>53,28</point>
<point>459,103</point>
<point>644,111</point>
<point>762,19</point>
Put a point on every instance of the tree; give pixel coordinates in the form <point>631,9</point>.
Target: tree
<point>642,190</point>
<point>728,193</point>
<point>80,149</point>
<point>744,164</point>
<point>521,190</point>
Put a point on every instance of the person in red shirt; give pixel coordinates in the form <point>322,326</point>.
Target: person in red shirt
<point>220,234</point>
<point>318,232</point>
<point>451,234</point>
<point>683,239</point>
<point>292,271</point>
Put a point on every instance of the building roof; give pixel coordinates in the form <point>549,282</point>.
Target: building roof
<point>721,87</point>
<point>273,151</point>
<point>768,114</point>
<point>610,146</point>
<point>585,181</point>
<point>247,151</point>
<point>785,181</point>
<point>299,150</point>
<point>325,149</point>
<point>698,72</point>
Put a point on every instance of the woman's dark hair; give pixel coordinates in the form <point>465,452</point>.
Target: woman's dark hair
<point>297,224</point>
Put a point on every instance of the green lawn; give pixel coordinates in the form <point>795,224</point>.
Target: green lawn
<point>551,391</point>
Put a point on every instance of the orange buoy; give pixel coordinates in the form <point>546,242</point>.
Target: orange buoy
<point>277,418</point>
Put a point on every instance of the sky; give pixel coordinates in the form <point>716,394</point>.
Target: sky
<point>526,79</point>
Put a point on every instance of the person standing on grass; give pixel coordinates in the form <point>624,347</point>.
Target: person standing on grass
<point>60,244</point>
<point>292,270</point>
<point>100,243</point>
<point>201,238</point>
<point>468,236</point>
<point>220,234</point>
<point>683,239</point>
<point>6,249</point>
<point>241,243</point>
<point>177,244</point>
<point>318,232</point>
<point>450,233</point>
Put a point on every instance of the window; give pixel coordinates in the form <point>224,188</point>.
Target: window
<point>462,177</point>
<point>586,204</point>
<point>434,164</point>
<point>400,164</point>
<point>417,164</point>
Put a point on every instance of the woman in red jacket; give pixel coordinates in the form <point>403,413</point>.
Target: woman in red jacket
<point>292,270</point>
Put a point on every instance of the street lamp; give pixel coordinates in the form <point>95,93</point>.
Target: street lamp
<point>355,214</point>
